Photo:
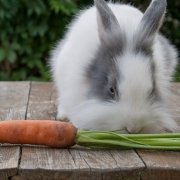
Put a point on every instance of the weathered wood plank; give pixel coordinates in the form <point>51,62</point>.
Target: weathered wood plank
<point>111,164</point>
<point>82,170</point>
<point>13,101</point>
<point>9,158</point>
<point>161,165</point>
<point>129,163</point>
<point>42,104</point>
<point>39,163</point>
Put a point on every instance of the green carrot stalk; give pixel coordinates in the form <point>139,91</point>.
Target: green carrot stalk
<point>111,140</point>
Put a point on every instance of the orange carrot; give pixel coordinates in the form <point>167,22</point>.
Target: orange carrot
<point>39,132</point>
<point>62,134</point>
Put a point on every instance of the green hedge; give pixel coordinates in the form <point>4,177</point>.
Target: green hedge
<point>29,29</point>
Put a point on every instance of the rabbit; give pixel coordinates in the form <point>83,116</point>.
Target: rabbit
<point>113,68</point>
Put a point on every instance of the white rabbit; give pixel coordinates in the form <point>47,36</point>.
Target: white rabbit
<point>112,69</point>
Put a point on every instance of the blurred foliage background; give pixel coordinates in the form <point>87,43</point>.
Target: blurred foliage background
<point>30,29</point>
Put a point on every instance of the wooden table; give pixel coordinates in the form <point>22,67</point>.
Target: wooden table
<point>33,100</point>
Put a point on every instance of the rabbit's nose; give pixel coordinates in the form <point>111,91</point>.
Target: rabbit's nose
<point>133,129</point>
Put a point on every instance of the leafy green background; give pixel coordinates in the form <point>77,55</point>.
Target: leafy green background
<point>29,30</point>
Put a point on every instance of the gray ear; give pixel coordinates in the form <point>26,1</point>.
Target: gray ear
<point>152,20</point>
<point>107,22</point>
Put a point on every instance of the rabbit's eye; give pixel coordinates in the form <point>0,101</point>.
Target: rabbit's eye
<point>112,91</point>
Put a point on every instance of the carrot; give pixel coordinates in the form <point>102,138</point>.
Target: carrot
<point>38,132</point>
<point>62,134</point>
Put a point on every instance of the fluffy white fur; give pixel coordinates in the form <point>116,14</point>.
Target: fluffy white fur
<point>134,112</point>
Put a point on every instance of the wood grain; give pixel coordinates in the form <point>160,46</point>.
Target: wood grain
<point>13,100</point>
<point>13,103</point>
<point>39,163</point>
<point>110,164</point>
<point>161,165</point>
<point>42,101</point>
